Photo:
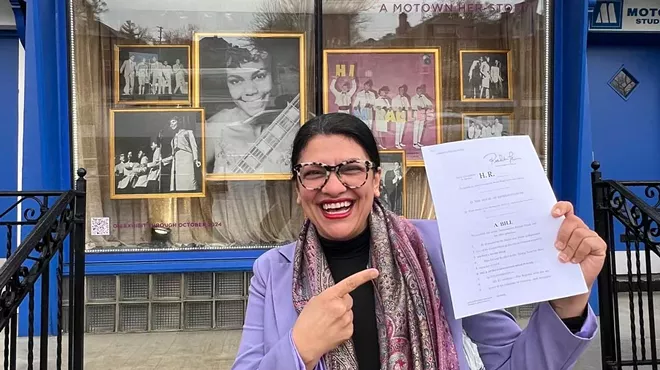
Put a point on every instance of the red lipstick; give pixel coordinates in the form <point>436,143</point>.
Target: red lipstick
<point>337,213</point>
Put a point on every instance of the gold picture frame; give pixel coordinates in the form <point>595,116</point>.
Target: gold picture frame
<point>436,81</point>
<point>384,156</point>
<point>507,129</point>
<point>465,70</point>
<point>118,78</point>
<point>170,112</point>
<point>300,102</point>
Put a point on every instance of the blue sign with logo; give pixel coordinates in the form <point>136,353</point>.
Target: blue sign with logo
<point>607,15</point>
<point>625,16</point>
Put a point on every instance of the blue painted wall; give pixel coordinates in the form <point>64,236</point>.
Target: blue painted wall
<point>46,122</point>
<point>583,102</point>
<point>570,89</point>
<point>626,132</point>
<point>571,137</point>
<point>8,140</point>
<point>9,98</point>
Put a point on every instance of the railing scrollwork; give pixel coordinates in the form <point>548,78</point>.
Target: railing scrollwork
<point>52,228</point>
<point>640,218</point>
<point>627,217</point>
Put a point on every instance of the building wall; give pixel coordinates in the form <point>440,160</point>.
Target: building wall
<point>625,131</point>
<point>12,74</point>
<point>53,163</point>
<point>45,144</point>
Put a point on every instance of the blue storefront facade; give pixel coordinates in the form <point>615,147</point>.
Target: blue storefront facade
<point>207,288</point>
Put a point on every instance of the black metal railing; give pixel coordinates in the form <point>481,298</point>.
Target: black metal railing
<point>54,219</point>
<point>627,293</point>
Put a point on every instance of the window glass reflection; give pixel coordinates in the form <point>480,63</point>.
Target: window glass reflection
<point>238,78</point>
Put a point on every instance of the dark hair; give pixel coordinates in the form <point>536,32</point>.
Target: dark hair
<point>342,124</point>
<point>235,56</point>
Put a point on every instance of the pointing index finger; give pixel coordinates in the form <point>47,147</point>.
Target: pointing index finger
<point>352,282</point>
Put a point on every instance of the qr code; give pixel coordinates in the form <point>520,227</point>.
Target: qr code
<point>100,226</point>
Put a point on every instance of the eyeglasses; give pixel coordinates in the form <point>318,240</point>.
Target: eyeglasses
<point>352,173</point>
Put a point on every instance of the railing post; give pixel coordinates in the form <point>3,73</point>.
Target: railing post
<point>78,273</point>
<point>602,226</point>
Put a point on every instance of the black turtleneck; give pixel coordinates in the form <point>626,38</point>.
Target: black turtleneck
<point>346,258</point>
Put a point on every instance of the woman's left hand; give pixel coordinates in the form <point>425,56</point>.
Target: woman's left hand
<point>578,244</point>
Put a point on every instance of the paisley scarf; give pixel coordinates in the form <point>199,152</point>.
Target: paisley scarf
<point>413,332</point>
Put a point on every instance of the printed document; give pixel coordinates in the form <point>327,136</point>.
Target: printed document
<point>493,206</point>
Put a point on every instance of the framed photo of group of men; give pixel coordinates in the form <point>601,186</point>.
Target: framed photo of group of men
<point>233,109</point>
<point>152,75</point>
<point>401,106</point>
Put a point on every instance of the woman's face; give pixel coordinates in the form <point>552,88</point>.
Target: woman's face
<point>331,150</point>
<point>250,86</point>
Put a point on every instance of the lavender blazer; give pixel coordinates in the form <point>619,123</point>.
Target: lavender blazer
<point>545,343</point>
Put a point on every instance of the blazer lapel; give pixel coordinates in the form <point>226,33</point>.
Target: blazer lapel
<point>282,288</point>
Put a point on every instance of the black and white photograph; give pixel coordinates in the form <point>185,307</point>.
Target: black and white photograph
<point>486,75</point>
<point>481,125</point>
<point>252,89</point>
<point>156,153</point>
<point>152,74</point>
<point>393,180</point>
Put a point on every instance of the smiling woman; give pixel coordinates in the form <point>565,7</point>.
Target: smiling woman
<point>364,288</point>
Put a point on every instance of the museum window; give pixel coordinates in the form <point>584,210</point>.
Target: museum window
<point>183,113</point>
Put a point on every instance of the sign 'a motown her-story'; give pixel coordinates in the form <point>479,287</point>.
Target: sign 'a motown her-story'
<point>443,7</point>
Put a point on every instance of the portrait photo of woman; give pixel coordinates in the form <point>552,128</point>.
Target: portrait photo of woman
<point>251,89</point>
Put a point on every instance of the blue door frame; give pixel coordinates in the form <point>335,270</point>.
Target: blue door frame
<point>47,117</point>
<point>41,26</point>
<point>571,135</point>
